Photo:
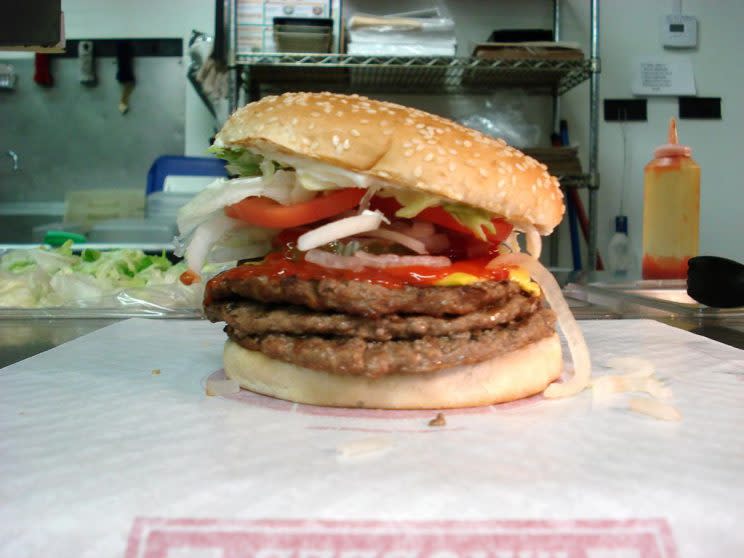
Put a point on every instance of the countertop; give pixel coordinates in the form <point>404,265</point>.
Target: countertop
<point>21,338</point>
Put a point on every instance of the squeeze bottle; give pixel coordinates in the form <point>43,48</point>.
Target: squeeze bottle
<point>671,210</point>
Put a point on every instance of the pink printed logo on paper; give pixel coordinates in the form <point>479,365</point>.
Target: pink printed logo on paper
<point>258,400</point>
<point>198,538</point>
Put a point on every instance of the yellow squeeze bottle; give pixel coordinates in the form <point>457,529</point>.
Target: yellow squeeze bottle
<point>671,210</point>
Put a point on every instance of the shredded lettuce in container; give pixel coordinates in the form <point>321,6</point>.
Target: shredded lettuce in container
<point>54,277</point>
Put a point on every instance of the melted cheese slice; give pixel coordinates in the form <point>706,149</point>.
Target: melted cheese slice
<point>516,274</point>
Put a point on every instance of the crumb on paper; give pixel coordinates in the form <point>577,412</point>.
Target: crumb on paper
<point>654,408</point>
<point>363,447</point>
<point>156,371</point>
<point>222,387</point>
<point>438,420</point>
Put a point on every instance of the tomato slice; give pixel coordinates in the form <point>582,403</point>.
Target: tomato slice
<point>265,212</point>
<point>439,216</point>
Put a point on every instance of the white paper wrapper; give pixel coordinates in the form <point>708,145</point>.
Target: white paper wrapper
<point>100,455</point>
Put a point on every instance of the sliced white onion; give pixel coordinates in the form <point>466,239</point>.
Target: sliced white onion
<point>367,221</point>
<point>512,243</point>
<point>333,261</point>
<point>534,241</point>
<point>363,259</point>
<point>205,236</point>
<point>654,408</point>
<point>400,238</point>
<point>222,387</point>
<point>392,260</point>
<point>367,197</point>
<point>574,337</point>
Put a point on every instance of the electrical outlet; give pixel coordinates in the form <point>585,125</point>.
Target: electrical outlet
<point>628,110</point>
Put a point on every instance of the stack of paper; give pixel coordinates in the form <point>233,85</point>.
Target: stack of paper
<point>401,36</point>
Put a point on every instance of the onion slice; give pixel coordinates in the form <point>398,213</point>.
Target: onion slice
<point>534,241</point>
<point>392,260</point>
<point>366,221</point>
<point>205,236</point>
<point>362,259</point>
<point>566,321</point>
<point>400,238</point>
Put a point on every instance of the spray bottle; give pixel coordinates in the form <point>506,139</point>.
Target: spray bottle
<point>671,210</point>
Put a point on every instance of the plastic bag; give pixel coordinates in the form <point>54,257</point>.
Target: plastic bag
<point>503,116</point>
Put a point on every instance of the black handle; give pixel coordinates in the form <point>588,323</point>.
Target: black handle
<point>716,282</point>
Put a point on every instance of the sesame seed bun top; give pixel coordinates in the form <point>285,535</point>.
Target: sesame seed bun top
<point>404,147</point>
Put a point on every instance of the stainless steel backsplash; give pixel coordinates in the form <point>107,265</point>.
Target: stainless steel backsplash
<point>71,137</point>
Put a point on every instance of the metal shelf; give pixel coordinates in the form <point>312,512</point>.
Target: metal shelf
<point>573,181</point>
<point>408,74</point>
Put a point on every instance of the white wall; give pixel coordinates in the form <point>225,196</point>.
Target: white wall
<point>630,28</point>
<point>102,19</point>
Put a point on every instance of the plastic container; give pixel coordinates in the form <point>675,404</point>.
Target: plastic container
<point>671,210</point>
<point>136,231</point>
<point>619,258</point>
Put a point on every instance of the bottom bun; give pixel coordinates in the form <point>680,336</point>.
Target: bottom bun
<point>515,375</point>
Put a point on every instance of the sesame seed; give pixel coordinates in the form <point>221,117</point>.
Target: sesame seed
<point>467,143</point>
<point>335,140</point>
<point>502,183</point>
<point>520,167</point>
<point>483,173</point>
<point>273,119</point>
<point>417,172</point>
<point>431,142</point>
<point>315,114</point>
<point>384,174</point>
<point>294,121</point>
<point>371,111</point>
<point>384,123</point>
<point>476,155</point>
<point>305,141</point>
<point>534,188</point>
<point>408,153</point>
<point>407,144</point>
<point>420,147</point>
<point>452,166</point>
<point>339,113</point>
<point>347,143</point>
<point>364,121</point>
<point>420,126</point>
<point>408,122</point>
<point>452,151</point>
<point>458,142</point>
<point>269,109</point>
<point>428,157</point>
<point>327,109</point>
<point>388,132</point>
<point>311,126</point>
<point>441,150</point>
<point>355,133</point>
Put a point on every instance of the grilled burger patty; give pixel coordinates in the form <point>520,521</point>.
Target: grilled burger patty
<point>253,318</point>
<point>365,299</point>
<point>354,355</point>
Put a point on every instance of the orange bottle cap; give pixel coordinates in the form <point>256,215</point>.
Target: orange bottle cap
<point>672,148</point>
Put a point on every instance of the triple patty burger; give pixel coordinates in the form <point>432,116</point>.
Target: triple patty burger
<point>379,265</point>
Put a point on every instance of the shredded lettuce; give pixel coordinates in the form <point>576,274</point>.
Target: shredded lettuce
<point>239,161</point>
<point>470,217</point>
<point>40,277</point>
<point>473,218</point>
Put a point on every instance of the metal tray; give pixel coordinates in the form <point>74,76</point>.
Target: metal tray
<point>657,297</point>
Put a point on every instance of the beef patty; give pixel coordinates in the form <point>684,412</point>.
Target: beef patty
<point>365,299</point>
<point>253,318</point>
<point>354,355</point>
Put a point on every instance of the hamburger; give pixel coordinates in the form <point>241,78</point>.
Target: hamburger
<point>378,261</point>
